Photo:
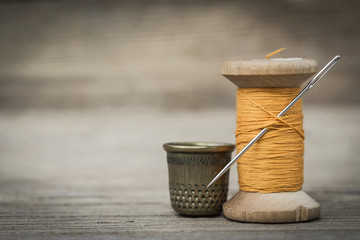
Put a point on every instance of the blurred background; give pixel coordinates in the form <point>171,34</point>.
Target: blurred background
<point>76,54</point>
<point>90,90</point>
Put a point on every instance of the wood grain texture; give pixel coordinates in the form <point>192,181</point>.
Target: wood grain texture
<point>257,81</point>
<point>260,73</point>
<point>272,66</point>
<point>271,207</point>
<point>84,174</point>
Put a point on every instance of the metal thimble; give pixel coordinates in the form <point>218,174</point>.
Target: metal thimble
<point>192,165</point>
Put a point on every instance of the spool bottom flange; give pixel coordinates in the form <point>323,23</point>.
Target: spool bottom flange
<point>283,207</point>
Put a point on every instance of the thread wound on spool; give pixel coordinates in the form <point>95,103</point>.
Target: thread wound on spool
<point>275,163</point>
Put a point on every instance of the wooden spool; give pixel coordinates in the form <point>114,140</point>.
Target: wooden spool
<point>280,207</point>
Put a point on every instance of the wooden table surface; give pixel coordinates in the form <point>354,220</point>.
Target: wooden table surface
<point>102,174</point>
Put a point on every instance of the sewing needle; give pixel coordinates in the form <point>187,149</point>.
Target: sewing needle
<point>311,84</point>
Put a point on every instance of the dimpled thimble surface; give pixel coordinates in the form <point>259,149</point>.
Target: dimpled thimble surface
<point>192,165</point>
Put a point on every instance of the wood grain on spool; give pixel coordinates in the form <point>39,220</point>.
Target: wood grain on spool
<point>271,207</point>
<point>260,73</point>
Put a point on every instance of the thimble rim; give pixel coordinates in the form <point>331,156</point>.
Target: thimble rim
<point>200,147</point>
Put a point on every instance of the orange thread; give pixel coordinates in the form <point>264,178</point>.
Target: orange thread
<point>274,52</point>
<point>275,162</point>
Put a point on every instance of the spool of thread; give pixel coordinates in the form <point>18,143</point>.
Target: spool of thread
<point>271,172</point>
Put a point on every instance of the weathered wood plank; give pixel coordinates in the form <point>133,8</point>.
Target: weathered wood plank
<point>102,173</point>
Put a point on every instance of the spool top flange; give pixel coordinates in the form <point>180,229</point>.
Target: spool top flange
<point>277,72</point>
